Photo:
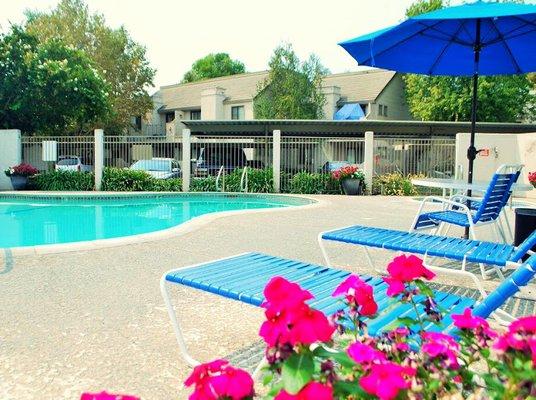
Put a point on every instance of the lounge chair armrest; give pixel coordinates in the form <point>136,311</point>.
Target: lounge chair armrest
<point>442,200</point>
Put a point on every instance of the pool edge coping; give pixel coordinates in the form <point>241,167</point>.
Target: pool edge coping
<point>175,231</point>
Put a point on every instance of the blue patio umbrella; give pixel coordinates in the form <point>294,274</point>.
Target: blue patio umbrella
<point>481,38</point>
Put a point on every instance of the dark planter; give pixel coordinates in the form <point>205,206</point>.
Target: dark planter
<point>19,182</point>
<point>352,187</point>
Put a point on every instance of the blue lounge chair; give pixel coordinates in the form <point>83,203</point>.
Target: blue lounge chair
<point>465,212</point>
<point>243,277</point>
<point>492,254</point>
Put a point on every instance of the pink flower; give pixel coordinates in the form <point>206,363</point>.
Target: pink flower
<point>234,383</point>
<point>468,321</point>
<point>365,354</point>
<point>521,336</point>
<point>218,379</point>
<point>276,327</point>
<point>443,346</point>
<point>386,380</point>
<point>107,396</point>
<point>310,326</point>
<point>289,319</point>
<point>359,293</point>
<point>405,269</point>
<point>311,391</point>
<point>282,294</point>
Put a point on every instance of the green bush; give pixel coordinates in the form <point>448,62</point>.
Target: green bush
<point>207,184</point>
<point>259,180</point>
<point>167,185</point>
<point>126,180</point>
<point>63,180</point>
<point>394,184</point>
<point>314,183</point>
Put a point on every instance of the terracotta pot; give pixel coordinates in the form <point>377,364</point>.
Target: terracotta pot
<point>352,187</point>
<point>19,182</point>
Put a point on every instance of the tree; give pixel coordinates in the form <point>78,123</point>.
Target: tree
<point>118,58</point>
<point>213,66</point>
<point>444,98</point>
<point>292,90</point>
<point>48,88</point>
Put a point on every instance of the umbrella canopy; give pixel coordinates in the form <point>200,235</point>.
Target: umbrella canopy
<point>480,38</point>
<point>443,42</point>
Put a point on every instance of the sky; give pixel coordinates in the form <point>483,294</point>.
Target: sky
<point>177,32</point>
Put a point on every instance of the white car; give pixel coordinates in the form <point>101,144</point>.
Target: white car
<point>159,168</point>
<point>71,163</point>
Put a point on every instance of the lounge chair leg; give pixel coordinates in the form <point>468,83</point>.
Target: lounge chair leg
<point>323,250</point>
<point>370,262</point>
<point>176,327</point>
<point>258,369</point>
<point>461,272</point>
<point>502,317</point>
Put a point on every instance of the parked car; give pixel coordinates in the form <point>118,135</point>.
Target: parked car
<point>159,168</point>
<point>71,163</point>
<point>210,160</point>
<point>331,166</point>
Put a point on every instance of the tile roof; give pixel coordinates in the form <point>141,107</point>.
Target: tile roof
<point>362,86</point>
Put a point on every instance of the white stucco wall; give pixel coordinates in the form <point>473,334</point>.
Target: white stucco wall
<point>10,154</point>
<point>248,109</point>
<point>503,149</point>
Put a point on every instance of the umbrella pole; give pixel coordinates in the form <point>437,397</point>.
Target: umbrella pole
<point>472,151</point>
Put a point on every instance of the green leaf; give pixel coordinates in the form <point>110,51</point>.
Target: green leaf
<point>407,321</point>
<point>297,371</point>
<point>424,288</point>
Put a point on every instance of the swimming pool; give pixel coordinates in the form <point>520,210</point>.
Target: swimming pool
<point>42,220</point>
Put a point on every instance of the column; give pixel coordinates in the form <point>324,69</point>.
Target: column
<point>186,159</point>
<point>276,159</point>
<point>10,154</point>
<point>99,158</point>
<point>368,164</point>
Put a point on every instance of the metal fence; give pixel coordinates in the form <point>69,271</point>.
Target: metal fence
<point>211,155</point>
<point>36,150</point>
<point>123,151</point>
<point>319,155</point>
<point>429,157</point>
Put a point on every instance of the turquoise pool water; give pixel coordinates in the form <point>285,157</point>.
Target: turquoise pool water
<point>38,220</point>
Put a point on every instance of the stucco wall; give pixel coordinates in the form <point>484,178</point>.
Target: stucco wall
<point>393,96</point>
<point>503,149</point>
<point>10,154</point>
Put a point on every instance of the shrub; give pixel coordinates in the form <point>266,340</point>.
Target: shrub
<point>63,180</point>
<point>394,184</point>
<point>314,183</point>
<point>207,184</point>
<point>167,185</point>
<point>23,169</point>
<point>126,180</point>
<point>310,355</point>
<point>259,180</point>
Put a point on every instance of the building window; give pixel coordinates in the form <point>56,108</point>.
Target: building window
<point>237,112</point>
<point>170,117</point>
<point>364,107</point>
<point>195,114</point>
<point>382,110</point>
<point>137,123</point>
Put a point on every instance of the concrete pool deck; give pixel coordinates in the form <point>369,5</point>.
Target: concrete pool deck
<point>94,320</point>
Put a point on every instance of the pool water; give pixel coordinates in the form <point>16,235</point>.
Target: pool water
<point>39,220</point>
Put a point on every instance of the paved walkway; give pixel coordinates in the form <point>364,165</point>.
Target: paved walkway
<point>94,320</point>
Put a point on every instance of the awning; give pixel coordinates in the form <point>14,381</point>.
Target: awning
<point>349,112</point>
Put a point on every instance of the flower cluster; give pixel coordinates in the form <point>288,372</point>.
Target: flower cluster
<point>409,360</point>
<point>348,172</point>
<point>532,178</point>
<point>21,170</point>
<point>289,320</point>
<point>107,396</point>
<point>217,379</point>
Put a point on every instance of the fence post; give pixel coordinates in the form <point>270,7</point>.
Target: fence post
<point>10,154</point>
<point>99,158</point>
<point>186,159</point>
<point>368,164</point>
<point>276,159</point>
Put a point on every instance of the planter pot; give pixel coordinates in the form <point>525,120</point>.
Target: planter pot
<point>19,182</point>
<point>352,187</point>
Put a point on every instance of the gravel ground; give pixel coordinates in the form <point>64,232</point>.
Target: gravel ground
<point>94,320</point>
